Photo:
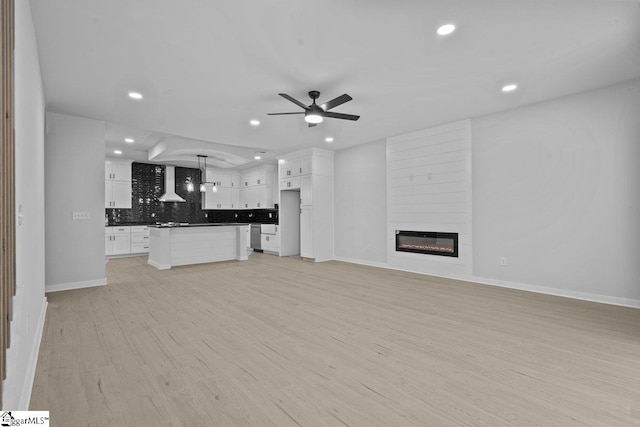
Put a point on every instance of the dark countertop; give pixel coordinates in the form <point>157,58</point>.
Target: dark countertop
<point>130,224</point>
<point>204,224</point>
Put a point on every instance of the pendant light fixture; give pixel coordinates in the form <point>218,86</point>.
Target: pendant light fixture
<point>203,183</point>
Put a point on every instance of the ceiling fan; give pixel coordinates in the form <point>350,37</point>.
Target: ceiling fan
<point>314,113</point>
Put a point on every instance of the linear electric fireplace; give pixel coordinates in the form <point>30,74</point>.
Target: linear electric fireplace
<point>427,242</point>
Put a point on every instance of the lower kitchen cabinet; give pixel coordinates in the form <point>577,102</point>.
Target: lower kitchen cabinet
<point>117,240</point>
<point>125,240</point>
<point>139,239</point>
<point>270,242</point>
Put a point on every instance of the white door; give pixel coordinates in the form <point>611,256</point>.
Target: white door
<point>224,198</point>
<point>121,194</point>
<point>108,249</point>
<point>235,181</point>
<point>121,244</point>
<point>235,198</point>
<point>295,167</point>
<point>305,190</point>
<point>121,171</point>
<point>107,195</point>
<point>305,166</point>
<point>306,232</point>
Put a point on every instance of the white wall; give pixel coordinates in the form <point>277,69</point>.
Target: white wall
<point>29,303</point>
<point>360,218</point>
<point>429,189</point>
<point>74,167</point>
<point>556,191</point>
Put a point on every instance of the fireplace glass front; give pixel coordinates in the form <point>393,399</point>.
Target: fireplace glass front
<point>427,242</point>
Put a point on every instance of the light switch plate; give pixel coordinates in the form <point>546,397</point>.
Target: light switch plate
<point>81,215</point>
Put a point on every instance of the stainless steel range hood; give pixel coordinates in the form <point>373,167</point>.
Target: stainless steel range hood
<point>170,186</point>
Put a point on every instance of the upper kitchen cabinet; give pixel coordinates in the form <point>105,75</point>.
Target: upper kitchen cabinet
<point>117,170</point>
<point>117,184</point>
<point>250,189</point>
<point>307,227</point>
<point>295,166</point>
<point>259,187</point>
<point>227,195</point>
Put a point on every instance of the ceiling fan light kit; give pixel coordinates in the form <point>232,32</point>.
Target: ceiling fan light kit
<point>314,113</point>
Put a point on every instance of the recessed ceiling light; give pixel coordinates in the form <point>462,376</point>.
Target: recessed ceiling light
<point>328,139</point>
<point>255,122</point>
<point>117,152</point>
<point>135,95</point>
<point>510,87</point>
<point>446,29</point>
<point>129,140</point>
<point>257,157</point>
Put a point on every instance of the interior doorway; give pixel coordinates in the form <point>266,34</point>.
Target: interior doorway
<point>289,222</point>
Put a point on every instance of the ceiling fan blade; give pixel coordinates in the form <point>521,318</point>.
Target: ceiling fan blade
<point>292,99</point>
<point>335,102</point>
<point>341,116</point>
<point>280,114</point>
<point>312,125</point>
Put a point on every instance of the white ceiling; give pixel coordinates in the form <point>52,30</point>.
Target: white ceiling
<point>207,67</point>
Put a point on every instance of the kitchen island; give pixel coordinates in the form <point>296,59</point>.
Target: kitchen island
<point>184,244</point>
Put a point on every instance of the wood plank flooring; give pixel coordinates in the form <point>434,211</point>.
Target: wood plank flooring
<point>281,342</point>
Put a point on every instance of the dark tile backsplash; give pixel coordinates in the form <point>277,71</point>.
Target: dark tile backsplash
<point>147,184</point>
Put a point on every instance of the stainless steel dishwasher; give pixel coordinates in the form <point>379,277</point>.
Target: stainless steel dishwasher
<point>255,237</point>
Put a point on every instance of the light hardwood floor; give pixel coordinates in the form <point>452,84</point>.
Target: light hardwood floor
<point>281,342</point>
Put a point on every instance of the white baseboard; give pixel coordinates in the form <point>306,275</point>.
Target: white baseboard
<point>75,285</point>
<point>159,266</point>
<point>27,387</point>
<point>584,296</point>
<point>362,262</point>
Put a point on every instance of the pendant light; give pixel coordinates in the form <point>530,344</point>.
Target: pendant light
<point>203,183</point>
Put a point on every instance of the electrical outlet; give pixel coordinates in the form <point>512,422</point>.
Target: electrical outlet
<point>503,261</point>
<point>81,215</point>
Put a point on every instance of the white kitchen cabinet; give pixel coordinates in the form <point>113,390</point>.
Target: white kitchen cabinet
<point>306,232</point>
<point>117,194</point>
<point>270,238</point>
<point>117,170</point>
<point>224,198</point>
<point>120,192</point>
<point>295,166</point>
<point>221,199</point>
<point>306,190</point>
<point>139,239</point>
<point>258,187</point>
<point>117,184</point>
<point>235,180</point>
<point>254,197</point>
<point>270,243</point>
<point>117,240</point>
<point>290,183</point>
<point>235,197</point>
<point>305,165</point>
<point>309,172</point>
<point>250,190</point>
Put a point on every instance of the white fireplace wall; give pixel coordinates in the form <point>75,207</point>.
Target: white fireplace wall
<point>429,189</point>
